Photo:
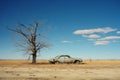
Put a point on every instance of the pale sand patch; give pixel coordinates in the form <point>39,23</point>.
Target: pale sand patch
<point>89,71</point>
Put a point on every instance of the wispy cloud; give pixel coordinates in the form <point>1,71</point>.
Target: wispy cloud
<point>110,38</point>
<point>92,36</point>
<point>118,32</point>
<point>66,41</point>
<point>106,40</point>
<point>101,42</point>
<point>91,31</point>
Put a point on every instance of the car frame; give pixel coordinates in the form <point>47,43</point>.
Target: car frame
<point>65,59</point>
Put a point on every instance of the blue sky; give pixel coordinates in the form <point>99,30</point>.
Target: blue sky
<point>89,29</point>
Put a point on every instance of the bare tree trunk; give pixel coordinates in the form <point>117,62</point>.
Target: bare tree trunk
<point>34,58</point>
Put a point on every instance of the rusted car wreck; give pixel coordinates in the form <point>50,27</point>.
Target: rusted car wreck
<point>65,59</point>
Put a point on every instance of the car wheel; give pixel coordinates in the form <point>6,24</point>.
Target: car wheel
<point>57,62</point>
<point>52,63</point>
<point>77,62</point>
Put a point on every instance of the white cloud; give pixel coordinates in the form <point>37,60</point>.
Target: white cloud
<point>110,38</point>
<point>91,39</point>
<point>101,42</point>
<point>93,36</point>
<point>66,41</point>
<point>106,40</point>
<point>118,32</point>
<point>91,31</point>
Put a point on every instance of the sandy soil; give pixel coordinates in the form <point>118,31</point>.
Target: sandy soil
<point>91,70</point>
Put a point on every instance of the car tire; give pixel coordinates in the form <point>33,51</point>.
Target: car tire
<point>77,62</point>
<point>51,62</point>
<point>57,62</point>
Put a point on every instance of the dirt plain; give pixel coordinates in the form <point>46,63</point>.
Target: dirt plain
<point>90,70</point>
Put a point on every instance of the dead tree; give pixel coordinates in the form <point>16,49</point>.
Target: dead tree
<point>32,36</point>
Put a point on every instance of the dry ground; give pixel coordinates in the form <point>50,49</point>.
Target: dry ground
<point>91,70</point>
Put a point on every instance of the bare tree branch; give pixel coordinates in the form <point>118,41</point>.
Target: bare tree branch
<point>32,39</point>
